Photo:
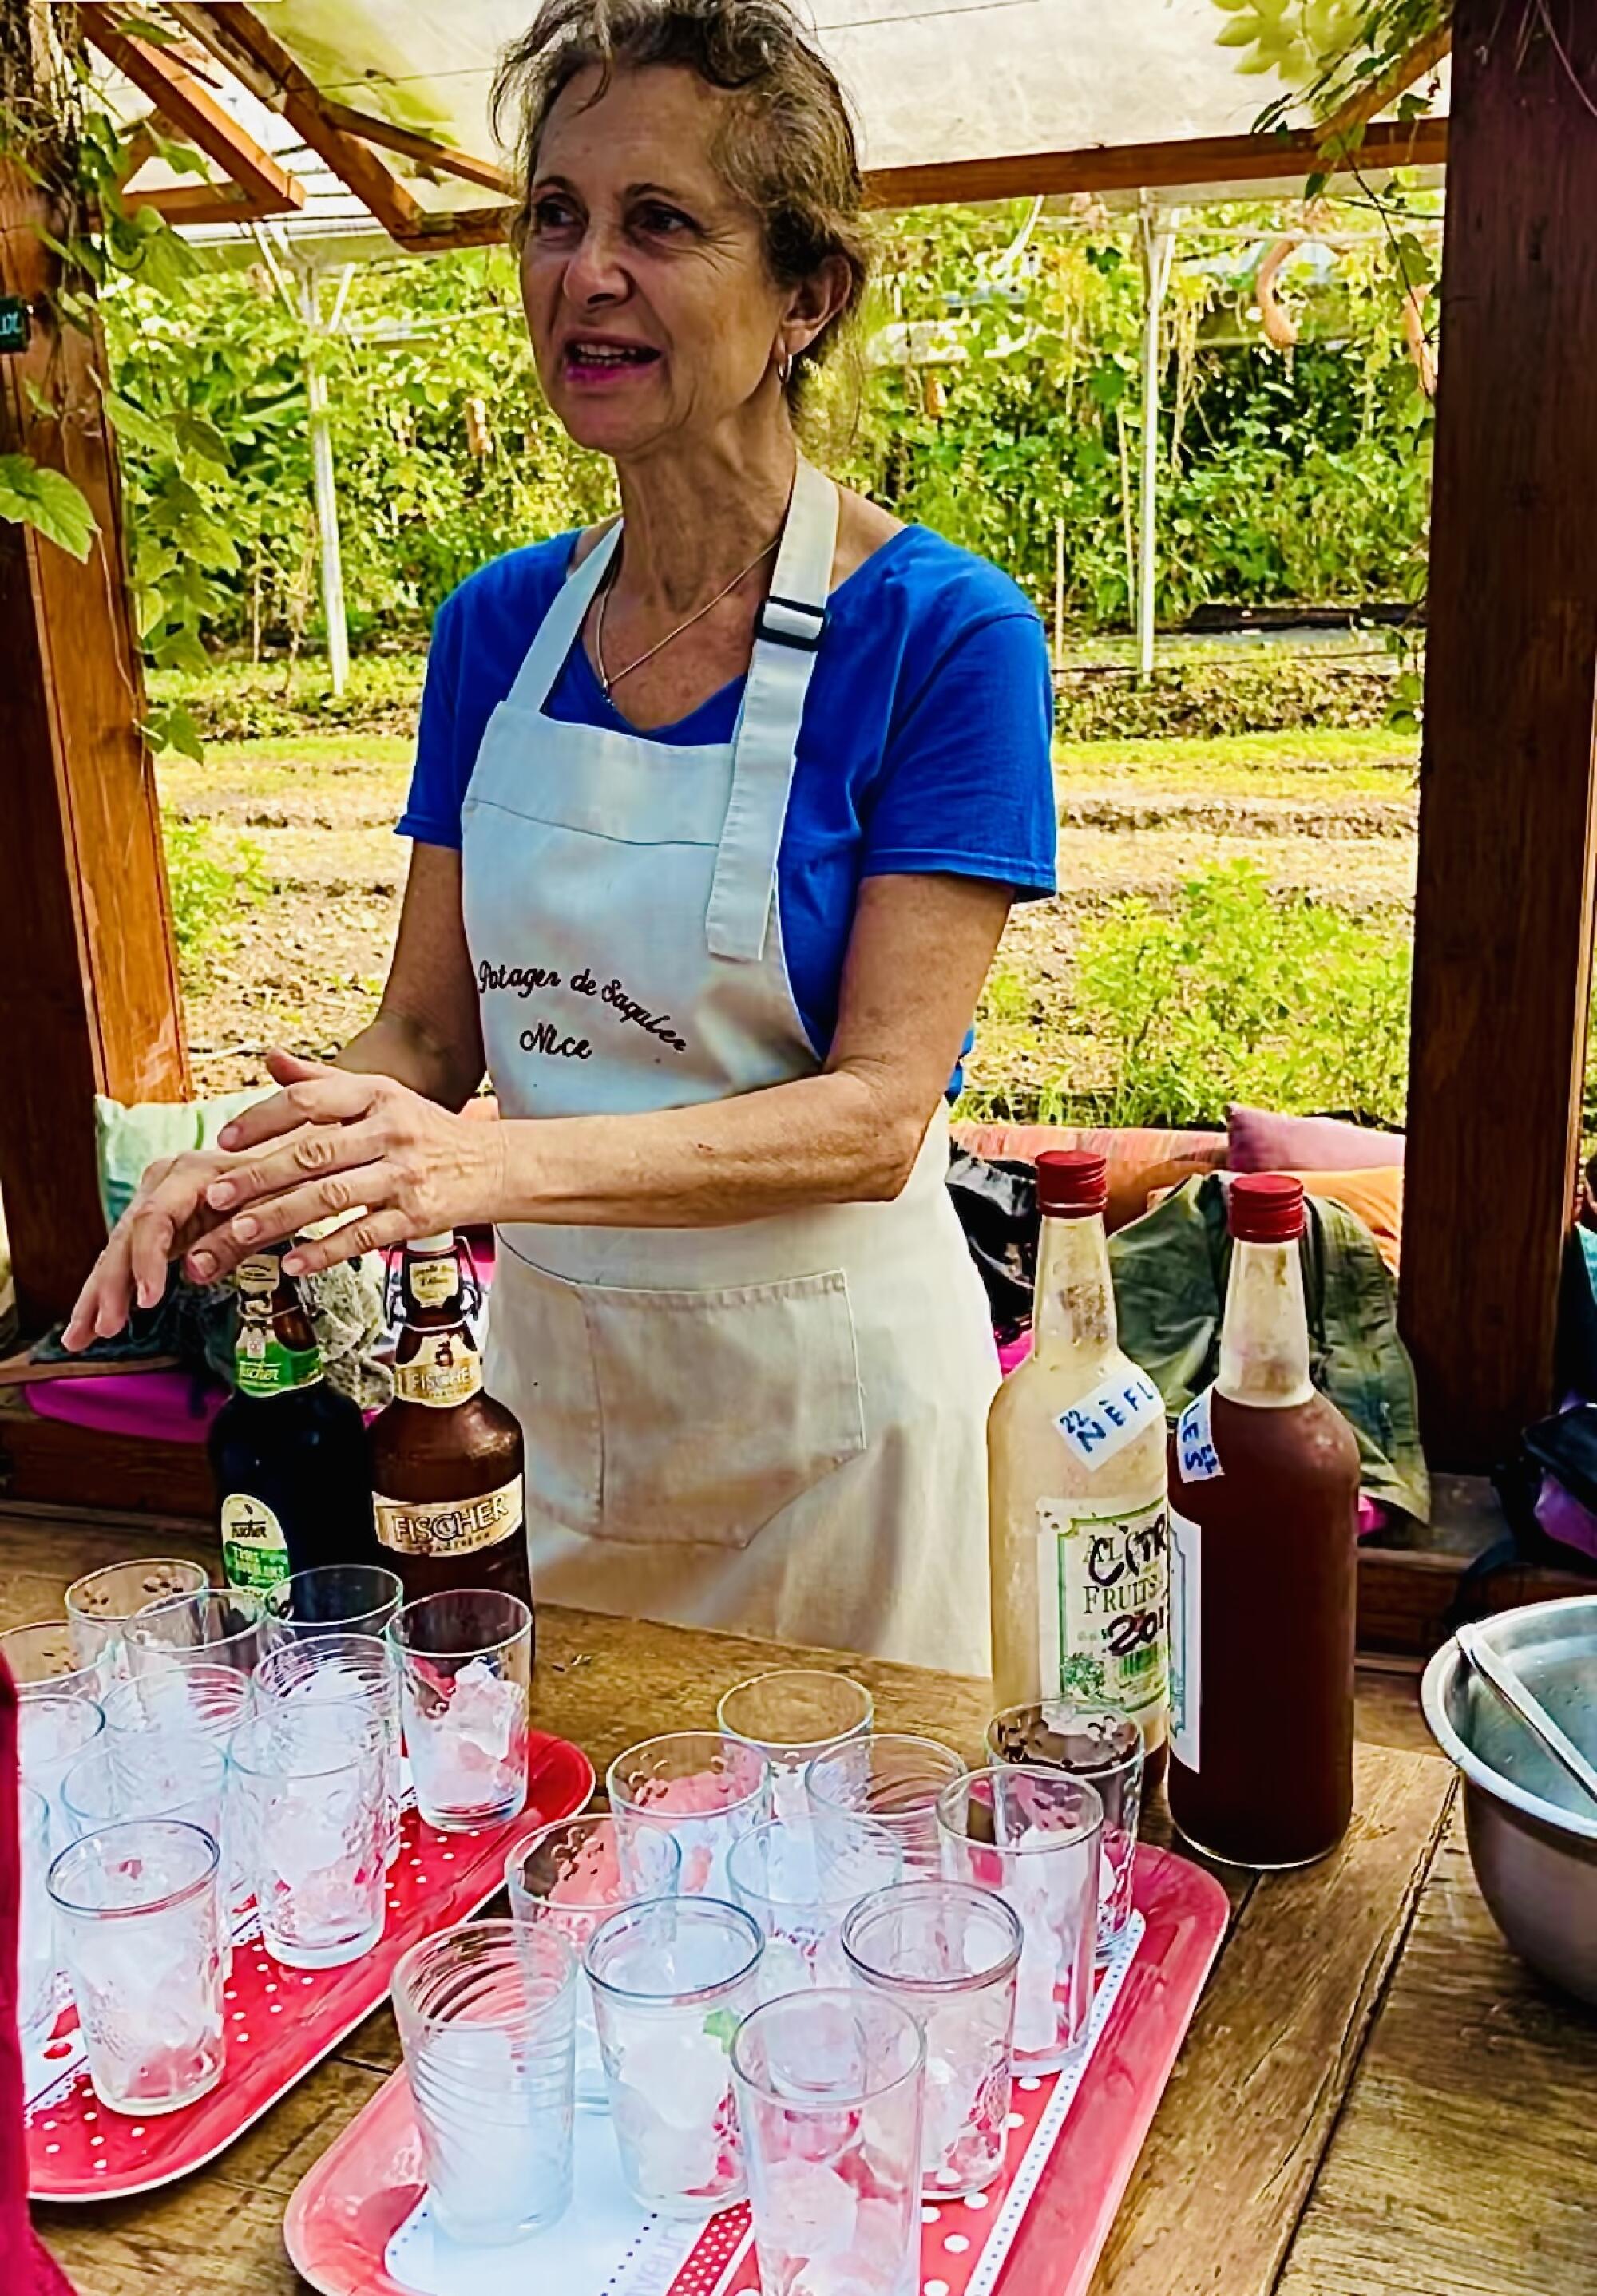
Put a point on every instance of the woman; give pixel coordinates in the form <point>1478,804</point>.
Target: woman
<point>718,812</point>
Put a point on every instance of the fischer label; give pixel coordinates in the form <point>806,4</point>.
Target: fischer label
<point>444,1371</point>
<point>254,1550</point>
<point>452,1526</point>
<point>430,1282</point>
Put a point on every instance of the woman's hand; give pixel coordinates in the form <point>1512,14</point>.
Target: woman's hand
<point>331,1142</point>
<point>167,1213</point>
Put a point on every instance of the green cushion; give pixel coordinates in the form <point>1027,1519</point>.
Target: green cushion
<point>127,1139</point>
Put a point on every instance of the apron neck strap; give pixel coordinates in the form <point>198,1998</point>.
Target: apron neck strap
<point>786,640</point>
<point>557,632</point>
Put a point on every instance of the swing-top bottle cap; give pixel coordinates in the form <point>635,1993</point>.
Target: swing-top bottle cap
<point>443,1242</point>
<point>1072,1183</point>
<point>1266,1208</point>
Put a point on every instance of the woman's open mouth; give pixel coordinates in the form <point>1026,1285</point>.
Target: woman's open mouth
<point>594,361</point>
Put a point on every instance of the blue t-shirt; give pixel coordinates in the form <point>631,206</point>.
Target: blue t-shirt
<point>924,746</point>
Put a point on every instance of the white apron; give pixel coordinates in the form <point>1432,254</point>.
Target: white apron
<point>778,1427</point>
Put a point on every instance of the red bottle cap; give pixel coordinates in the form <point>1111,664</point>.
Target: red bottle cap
<point>1266,1208</point>
<point>1072,1183</point>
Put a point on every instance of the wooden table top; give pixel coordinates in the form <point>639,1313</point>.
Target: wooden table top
<point>1375,2098</point>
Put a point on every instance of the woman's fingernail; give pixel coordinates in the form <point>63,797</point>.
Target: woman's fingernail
<point>245,1227</point>
<point>294,1264</point>
<point>220,1194</point>
<point>226,1136</point>
<point>202,1264</point>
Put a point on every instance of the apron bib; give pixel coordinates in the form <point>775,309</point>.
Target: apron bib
<point>777,1426</point>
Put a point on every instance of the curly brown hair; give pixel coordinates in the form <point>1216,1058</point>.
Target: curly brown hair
<point>787,149</point>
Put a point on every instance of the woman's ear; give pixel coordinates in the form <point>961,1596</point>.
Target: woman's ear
<point>814,303</point>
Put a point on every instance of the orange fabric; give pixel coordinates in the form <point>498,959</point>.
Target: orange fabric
<point>1140,1160</point>
<point>1375,1196</point>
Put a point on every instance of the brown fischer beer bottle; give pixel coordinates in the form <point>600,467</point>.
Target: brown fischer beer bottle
<point>447,1460</point>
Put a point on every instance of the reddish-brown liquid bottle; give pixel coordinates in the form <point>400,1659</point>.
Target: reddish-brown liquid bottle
<point>1264,1506</point>
<point>447,1462</point>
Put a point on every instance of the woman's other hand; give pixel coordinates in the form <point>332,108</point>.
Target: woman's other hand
<point>331,1142</point>
<point>168,1212</point>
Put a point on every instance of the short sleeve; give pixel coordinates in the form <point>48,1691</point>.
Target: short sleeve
<point>432,814</point>
<point>967,782</point>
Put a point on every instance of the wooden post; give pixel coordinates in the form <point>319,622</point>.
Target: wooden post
<point>1503,909</point>
<point>89,998</point>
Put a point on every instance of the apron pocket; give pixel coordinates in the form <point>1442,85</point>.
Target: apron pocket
<point>719,1408</point>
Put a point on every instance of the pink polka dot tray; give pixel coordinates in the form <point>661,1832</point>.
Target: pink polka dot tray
<point>279,2022</point>
<point>360,2223</point>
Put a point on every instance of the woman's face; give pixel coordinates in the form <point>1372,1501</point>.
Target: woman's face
<point>652,311</point>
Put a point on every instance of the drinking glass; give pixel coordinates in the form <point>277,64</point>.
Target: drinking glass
<point>466,1673</point>
<point>792,1714</point>
<point>672,1979</point>
<point>344,1598</point>
<point>702,1786</point>
<point>101,1603</point>
<point>800,1899</point>
<point>146,1773</point>
<point>829,2090</point>
<point>335,1670</point>
<point>217,1625</point>
<point>485,2015</point>
<point>40,1658</point>
<point>886,1783</point>
<point>1105,1747</point>
<point>203,1703</point>
<point>311,1787</point>
<point>141,1936</point>
<point>573,1875</point>
<point>949,1954</point>
<point>36,1939</point>
<point>1034,1836</point>
<point>53,1729</point>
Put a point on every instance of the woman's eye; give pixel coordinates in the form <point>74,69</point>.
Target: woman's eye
<point>663,222</point>
<point>552,214</point>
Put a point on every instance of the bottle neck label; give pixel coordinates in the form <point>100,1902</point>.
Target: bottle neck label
<point>254,1550</point>
<point>1101,1594</point>
<point>263,1366</point>
<point>432,1283</point>
<point>1099,1426</point>
<point>452,1526</point>
<point>444,1371</point>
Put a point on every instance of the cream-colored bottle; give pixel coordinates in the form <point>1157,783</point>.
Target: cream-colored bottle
<point>1077,1445</point>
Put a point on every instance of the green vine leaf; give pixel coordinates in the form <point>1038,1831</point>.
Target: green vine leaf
<point>47,502</point>
<point>131,422</point>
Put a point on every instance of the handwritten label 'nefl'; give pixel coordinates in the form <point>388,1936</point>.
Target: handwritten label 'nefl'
<point>1105,1421</point>
<point>1196,1455</point>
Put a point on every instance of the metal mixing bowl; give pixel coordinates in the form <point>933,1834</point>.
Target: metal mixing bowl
<point>1532,1831</point>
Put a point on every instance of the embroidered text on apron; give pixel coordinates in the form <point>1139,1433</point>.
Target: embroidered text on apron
<point>776,1426</point>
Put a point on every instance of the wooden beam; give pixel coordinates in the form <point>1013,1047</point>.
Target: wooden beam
<point>181,203</point>
<point>236,37</point>
<point>1151,167</point>
<point>89,1000</point>
<point>193,112</point>
<point>1378,94</point>
<point>1503,910</point>
<point>486,174</point>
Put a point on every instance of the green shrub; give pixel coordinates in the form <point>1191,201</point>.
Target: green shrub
<point>267,701</point>
<point>1239,993</point>
<point>1205,697</point>
<point>210,887</point>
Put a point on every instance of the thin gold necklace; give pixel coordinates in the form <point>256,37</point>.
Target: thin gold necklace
<point>610,684</point>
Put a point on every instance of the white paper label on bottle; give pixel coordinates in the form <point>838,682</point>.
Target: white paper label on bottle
<point>449,1526</point>
<point>1105,1421</point>
<point>1186,1641</point>
<point>254,1550</point>
<point>1101,1589</point>
<point>1196,1455</point>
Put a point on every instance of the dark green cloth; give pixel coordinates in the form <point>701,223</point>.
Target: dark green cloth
<point>1170,1270</point>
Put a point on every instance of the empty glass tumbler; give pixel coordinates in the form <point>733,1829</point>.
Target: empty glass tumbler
<point>466,1675</point>
<point>36,1938</point>
<point>703,1787</point>
<point>328,1671</point>
<point>792,1714</point>
<point>100,1604</point>
<point>336,1598</point>
<point>40,1658</point>
<point>949,1954</point>
<point>885,1782</point>
<point>54,1730</point>
<point>146,1773</point>
<point>830,2086</point>
<point>140,1931</point>
<point>486,2018</point>
<point>573,1875</point>
<point>217,1625</point>
<point>672,1980</point>
<point>801,1900</point>
<point>1032,1836</point>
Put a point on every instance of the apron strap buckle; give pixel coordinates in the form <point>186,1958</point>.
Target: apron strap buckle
<point>792,622</point>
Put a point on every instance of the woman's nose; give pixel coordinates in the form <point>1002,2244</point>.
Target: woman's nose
<point>595,272</point>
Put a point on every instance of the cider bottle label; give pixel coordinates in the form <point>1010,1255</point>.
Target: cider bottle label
<point>430,1282</point>
<point>254,1550</point>
<point>445,1370</point>
<point>1101,1589</point>
<point>449,1526</point>
<point>1186,1642</point>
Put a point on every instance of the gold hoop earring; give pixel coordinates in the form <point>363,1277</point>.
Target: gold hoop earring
<point>785,369</point>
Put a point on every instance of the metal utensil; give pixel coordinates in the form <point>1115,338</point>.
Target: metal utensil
<point>1522,1701</point>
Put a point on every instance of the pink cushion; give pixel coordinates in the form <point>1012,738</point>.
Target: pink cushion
<point>162,1405</point>
<point>1262,1142</point>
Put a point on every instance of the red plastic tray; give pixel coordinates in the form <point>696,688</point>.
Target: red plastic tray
<point>348,2208</point>
<point>279,2022</point>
